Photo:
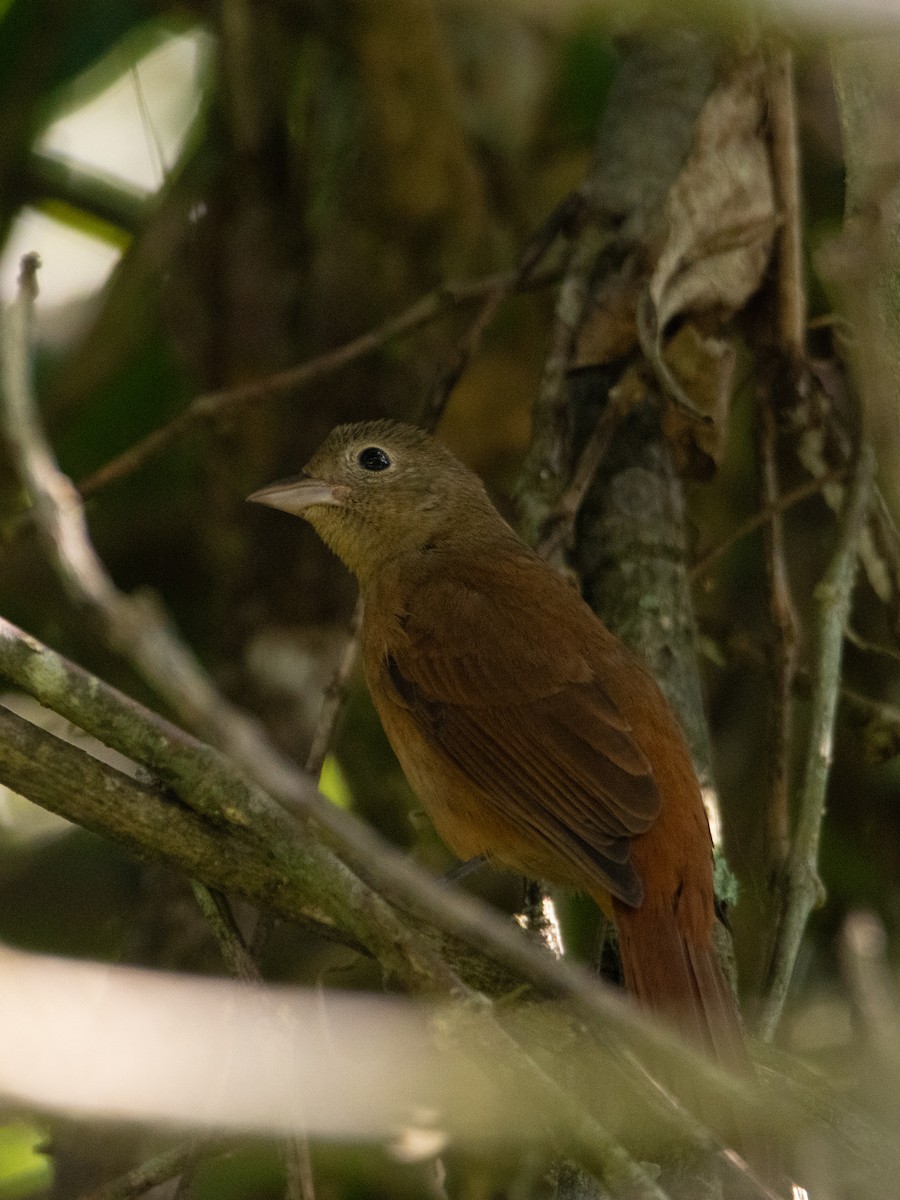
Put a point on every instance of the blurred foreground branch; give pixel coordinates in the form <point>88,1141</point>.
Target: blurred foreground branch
<point>109,1042</point>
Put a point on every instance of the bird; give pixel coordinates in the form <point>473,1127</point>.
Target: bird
<point>531,735</point>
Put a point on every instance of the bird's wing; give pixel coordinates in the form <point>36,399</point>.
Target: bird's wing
<point>515,703</point>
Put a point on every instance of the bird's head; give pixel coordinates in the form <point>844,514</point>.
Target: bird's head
<point>380,489</point>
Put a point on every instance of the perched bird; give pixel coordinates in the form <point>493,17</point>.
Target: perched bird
<point>531,735</point>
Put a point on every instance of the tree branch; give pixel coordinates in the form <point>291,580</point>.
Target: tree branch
<point>801,888</point>
<point>789,334</point>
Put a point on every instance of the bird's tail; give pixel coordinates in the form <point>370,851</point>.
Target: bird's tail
<point>671,968</point>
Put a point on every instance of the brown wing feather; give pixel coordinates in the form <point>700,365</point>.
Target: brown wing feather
<point>534,731</point>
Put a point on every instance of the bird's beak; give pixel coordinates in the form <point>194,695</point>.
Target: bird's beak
<point>298,493</point>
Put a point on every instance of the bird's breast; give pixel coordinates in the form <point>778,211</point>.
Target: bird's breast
<point>444,792</point>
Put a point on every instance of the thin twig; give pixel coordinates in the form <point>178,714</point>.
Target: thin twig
<point>542,478</point>
<point>801,888</point>
<point>790,334</point>
<point>559,221</point>
<point>559,529</point>
<point>329,713</point>
<point>333,698</point>
<point>784,660</point>
<point>782,114</point>
<point>211,405</point>
<point>869,647</point>
<point>878,724</point>
<point>650,336</point>
<point>812,487</point>
<point>220,918</point>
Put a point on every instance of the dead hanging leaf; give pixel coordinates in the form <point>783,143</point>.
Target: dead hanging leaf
<point>720,212</point>
<point>704,369</point>
<point>720,220</point>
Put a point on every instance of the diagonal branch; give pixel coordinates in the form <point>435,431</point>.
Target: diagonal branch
<point>786,500</point>
<point>210,406</point>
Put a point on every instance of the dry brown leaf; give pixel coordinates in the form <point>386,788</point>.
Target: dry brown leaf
<point>720,211</point>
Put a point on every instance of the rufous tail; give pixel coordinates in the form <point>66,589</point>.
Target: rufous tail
<point>673,971</point>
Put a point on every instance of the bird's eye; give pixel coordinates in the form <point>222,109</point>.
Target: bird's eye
<point>373,458</point>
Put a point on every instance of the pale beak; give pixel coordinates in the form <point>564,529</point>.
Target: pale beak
<point>298,493</point>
